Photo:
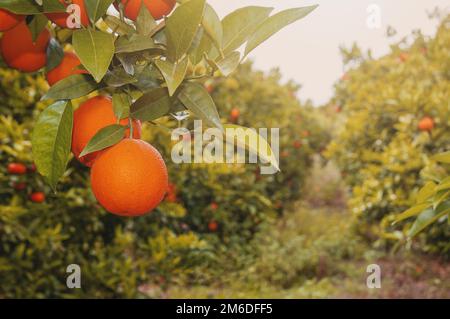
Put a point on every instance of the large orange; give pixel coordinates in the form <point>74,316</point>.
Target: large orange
<point>60,18</point>
<point>9,20</point>
<point>157,8</point>
<point>130,178</point>
<point>93,115</point>
<point>67,67</point>
<point>19,51</point>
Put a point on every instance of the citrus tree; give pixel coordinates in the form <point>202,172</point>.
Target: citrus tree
<point>147,62</point>
<point>207,208</point>
<point>395,112</point>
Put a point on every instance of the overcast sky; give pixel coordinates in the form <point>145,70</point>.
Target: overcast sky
<point>310,47</point>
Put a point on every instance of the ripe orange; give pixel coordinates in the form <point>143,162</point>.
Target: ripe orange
<point>93,115</point>
<point>60,18</point>
<point>426,124</point>
<point>297,144</point>
<point>213,226</point>
<point>214,206</point>
<point>37,197</point>
<point>19,51</point>
<point>9,20</point>
<point>235,113</point>
<point>403,56</point>
<point>17,169</point>
<point>209,88</point>
<point>67,67</point>
<point>130,178</point>
<point>157,8</point>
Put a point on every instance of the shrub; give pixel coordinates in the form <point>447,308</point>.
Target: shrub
<point>380,147</point>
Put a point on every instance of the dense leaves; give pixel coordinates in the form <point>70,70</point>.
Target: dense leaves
<point>382,146</point>
<point>139,59</point>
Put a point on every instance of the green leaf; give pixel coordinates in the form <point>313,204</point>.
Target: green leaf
<point>134,43</point>
<point>72,87</point>
<point>117,77</point>
<point>197,100</point>
<point>181,28</point>
<point>228,64</point>
<point>145,22</point>
<point>413,211</point>
<point>106,137</point>
<point>118,26</point>
<point>239,25</point>
<point>37,25</point>
<point>426,192</point>
<point>443,186</point>
<point>173,73</point>
<point>26,7</point>
<point>245,138</point>
<point>95,50</point>
<point>443,157</point>
<point>274,24</point>
<point>121,105</point>
<point>439,197</point>
<point>97,8</point>
<point>151,106</point>
<point>52,138</point>
<point>428,217</point>
<point>55,54</point>
<point>213,26</point>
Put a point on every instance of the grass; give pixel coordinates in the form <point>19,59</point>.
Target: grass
<point>312,253</point>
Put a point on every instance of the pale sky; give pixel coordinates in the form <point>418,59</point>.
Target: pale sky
<point>310,47</point>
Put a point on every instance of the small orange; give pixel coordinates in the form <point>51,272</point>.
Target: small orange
<point>37,197</point>
<point>403,56</point>
<point>9,20</point>
<point>19,51</point>
<point>235,113</point>
<point>130,178</point>
<point>17,168</point>
<point>213,226</point>
<point>67,67</point>
<point>60,18</point>
<point>157,8</point>
<point>426,124</point>
<point>93,115</point>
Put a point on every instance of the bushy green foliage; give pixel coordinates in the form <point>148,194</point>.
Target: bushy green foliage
<point>380,148</point>
<point>123,257</point>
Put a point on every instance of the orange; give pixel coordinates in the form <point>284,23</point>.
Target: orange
<point>67,67</point>
<point>235,113</point>
<point>297,144</point>
<point>17,168</point>
<point>19,51</point>
<point>213,226</point>
<point>157,8</point>
<point>426,124</point>
<point>37,197</point>
<point>9,20</point>
<point>60,18</point>
<point>130,178</point>
<point>93,115</point>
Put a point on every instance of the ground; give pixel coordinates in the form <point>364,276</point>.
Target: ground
<point>334,275</point>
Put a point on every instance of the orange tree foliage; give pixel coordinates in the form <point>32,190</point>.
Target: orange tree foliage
<point>118,255</point>
<point>381,147</point>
